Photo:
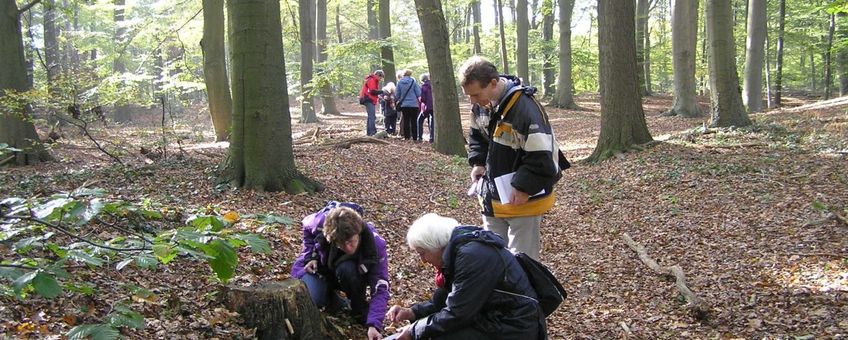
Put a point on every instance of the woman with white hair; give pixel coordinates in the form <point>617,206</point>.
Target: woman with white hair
<point>387,99</point>
<point>481,290</point>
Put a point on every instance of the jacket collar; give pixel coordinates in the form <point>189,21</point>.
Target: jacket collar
<point>462,235</point>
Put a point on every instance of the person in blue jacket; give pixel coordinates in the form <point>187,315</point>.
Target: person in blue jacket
<point>408,94</point>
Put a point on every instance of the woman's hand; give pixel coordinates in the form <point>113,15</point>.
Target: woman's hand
<point>311,266</point>
<point>374,334</point>
<point>398,313</point>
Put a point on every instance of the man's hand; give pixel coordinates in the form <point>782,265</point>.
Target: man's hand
<point>518,197</point>
<point>374,334</point>
<point>476,172</point>
<point>311,266</point>
<point>398,313</point>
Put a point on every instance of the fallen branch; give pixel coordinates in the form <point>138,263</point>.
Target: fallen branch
<point>818,254</point>
<point>696,305</point>
<point>832,216</point>
<point>346,144</point>
<point>7,159</point>
<point>83,126</point>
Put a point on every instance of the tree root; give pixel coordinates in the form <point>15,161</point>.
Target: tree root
<point>697,306</point>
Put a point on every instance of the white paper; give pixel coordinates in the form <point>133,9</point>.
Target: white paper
<point>504,185</point>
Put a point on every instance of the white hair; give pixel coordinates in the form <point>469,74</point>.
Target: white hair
<point>390,87</point>
<point>430,232</point>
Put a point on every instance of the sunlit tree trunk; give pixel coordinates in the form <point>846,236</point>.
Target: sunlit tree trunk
<point>622,117</point>
<point>261,155</point>
<point>778,73</point>
<point>16,128</point>
<point>51,50</point>
<point>548,37</point>
<point>328,100</point>
<point>307,53</point>
<point>564,97</point>
<point>522,41</point>
<point>842,54</point>
<point>215,68</point>
<point>727,108</point>
<point>828,69</point>
<point>642,12</point>
<point>386,53</point>
<point>478,25</point>
<point>684,32</point>
<point>339,37</point>
<point>500,20</point>
<point>448,137</point>
<point>122,110</point>
<point>752,93</point>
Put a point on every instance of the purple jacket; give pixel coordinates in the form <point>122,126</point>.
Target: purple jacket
<point>372,257</point>
<point>426,97</point>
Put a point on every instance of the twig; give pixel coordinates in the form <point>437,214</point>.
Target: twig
<point>832,216</point>
<point>72,235</point>
<point>28,6</point>
<point>698,307</point>
<point>19,266</point>
<point>164,132</point>
<point>818,254</point>
<point>7,159</point>
<point>83,126</point>
<point>127,230</point>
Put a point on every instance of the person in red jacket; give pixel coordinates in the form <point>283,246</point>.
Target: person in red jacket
<point>368,97</point>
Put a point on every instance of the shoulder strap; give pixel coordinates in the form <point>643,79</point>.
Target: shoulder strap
<point>404,94</point>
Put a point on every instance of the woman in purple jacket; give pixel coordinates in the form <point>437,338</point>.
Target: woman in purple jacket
<point>342,252</point>
<point>426,107</point>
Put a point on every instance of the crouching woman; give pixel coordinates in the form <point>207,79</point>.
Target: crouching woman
<point>343,253</point>
<point>481,290</point>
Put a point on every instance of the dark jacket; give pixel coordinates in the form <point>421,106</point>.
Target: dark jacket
<point>371,256</point>
<point>515,136</point>
<point>426,97</point>
<point>483,288</point>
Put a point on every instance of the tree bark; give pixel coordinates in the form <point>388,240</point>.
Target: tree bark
<point>449,136</point>
<point>373,29</point>
<point>564,97</point>
<point>504,54</point>
<point>307,54</point>
<point>386,53</point>
<point>842,54</point>
<point>122,110</point>
<point>261,156</point>
<point>727,108</point>
<point>548,37</point>
<point>51,52</point>
<point>477,15</point>
<point>522,42</point>
<point>215,68</point>
<point>339,37</point>
<point>328,98</point>
<point>684,23</point>
<point>622,117</point>
<point>280,310</point>
<point>752,93</point>
<point>828,69</point>
<point>642,12</point>
<point>16,128</point>
<point>778,73</point>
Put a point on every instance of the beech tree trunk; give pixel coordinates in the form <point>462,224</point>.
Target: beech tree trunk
<point>307,54</point>
<point>16,128</point>
<point>684,23</point>
<point>280,310</point>
<point>475,13</point>
<point>522,42</point>
<point>449,136</point>
<point>328,99</point>
<point>828,69</point>
<point>548,37</point>
<point>622,117</point>
<point>752,93</point>
<point>727,108</point>
<point>778,73</point>
<point>122,110</point>
<point>386,54</point>
<point>642,12</point>
<point>215,68</point>
<point>51,52</point>
<point>842,54</point>
<point>564,97</point>
<point>373,29</point>
<point>504,54</point>
<point>261,155</point>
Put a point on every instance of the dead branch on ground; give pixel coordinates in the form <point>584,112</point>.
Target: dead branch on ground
<point>83,126</point>
<point>831,216</point>
<point>696,305</point>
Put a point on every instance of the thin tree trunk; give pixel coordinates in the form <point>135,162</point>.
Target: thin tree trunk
<point>215,68</point>
<point>339,37</point>
<point>813,82</point>
<point>122,110</point>
<point>842,54</point>
<point>778,81</point>
<point>642,12</point>
<point>51,51</point>
<point>769,91</point>
<point>307,53</point>
<point>504,54</point>
<point>328,100</point>
<point>548,37</point>
<point>522,41</point>
<point>261,155</point>
<point>373,28</point>
<point>752,93</point>
<point>828,73</point>
<point>386,53</point>
<point>475,8</point>
<point>448,129</point>
<point>565,85</point>
<point>684,23</point>
<point>622,117</point>
<point>727,108</point>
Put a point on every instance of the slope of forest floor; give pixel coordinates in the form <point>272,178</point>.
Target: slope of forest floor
<point>741,211</point>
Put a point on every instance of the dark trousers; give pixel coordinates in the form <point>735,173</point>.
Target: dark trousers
<point>322,289</point>
<point>409,124</point>
<point>391,123</point>
<point>428,115</point>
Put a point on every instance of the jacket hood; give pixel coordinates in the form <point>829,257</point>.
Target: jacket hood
<point>465,234</point>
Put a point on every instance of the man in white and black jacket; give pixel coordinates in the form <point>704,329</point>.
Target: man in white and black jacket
<point>514,156</point>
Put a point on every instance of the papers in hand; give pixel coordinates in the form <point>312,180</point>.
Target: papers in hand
<point>505,189</point>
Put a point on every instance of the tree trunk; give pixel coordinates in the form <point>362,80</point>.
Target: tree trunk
<point>752,93</point>
<point>373,29</point>
<point>339,37</point>
<point>727,108</point>
<point>842,54</point>
<point>548,37</point>
<point>449,136</point>
<point>16,129</point>
<point>307,53</point>
<point>504,54</point>
<point>328,98</point>
<point>70,53</point>
<point>51,53</point>
<point>684,23</point>
<point>386,53</point>
<point>261,155</point>
<point>565,85</point>
<point>280,310</point>
<point>622,118</point>
<point>778,73</point>
<point>642,12</point>
<point>828,73</point>
<point>522,41</point>
<point>477,15</point>
<point>215,68</point>
<point>813,70</point>
<point>122,110</point>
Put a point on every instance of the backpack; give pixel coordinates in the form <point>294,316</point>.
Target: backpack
<point>549,291</point>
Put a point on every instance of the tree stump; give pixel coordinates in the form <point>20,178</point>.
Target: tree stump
<point>280,310</point>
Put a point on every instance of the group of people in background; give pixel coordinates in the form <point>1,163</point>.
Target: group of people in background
<point>481,291</point>
<point>407,100</point>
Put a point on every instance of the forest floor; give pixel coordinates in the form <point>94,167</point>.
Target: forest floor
<point>741,211</point>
